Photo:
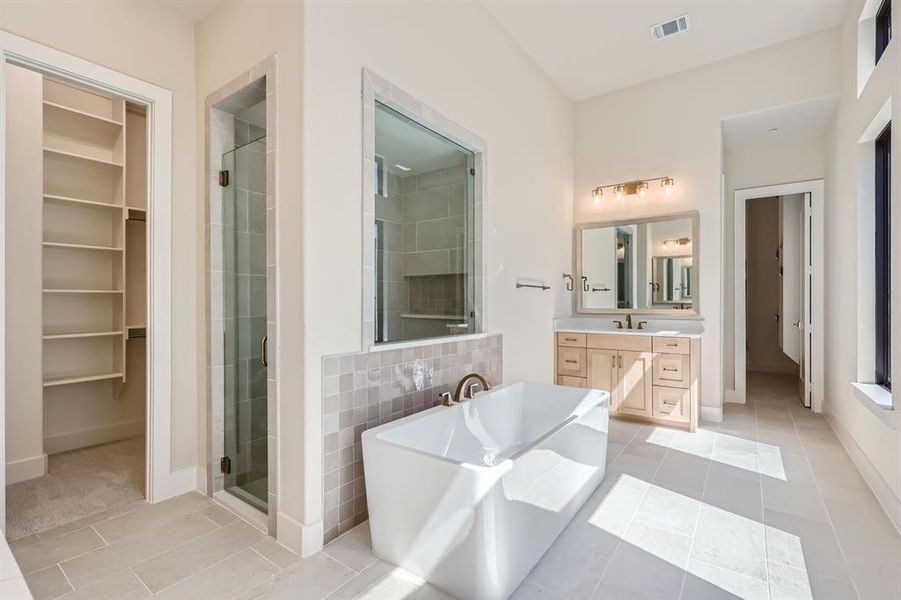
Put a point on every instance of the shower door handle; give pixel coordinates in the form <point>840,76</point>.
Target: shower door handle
<point>264,351</point>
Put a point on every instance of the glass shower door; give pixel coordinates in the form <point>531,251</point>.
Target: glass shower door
<point>244,288</point>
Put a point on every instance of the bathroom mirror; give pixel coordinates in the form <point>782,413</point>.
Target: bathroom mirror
<point>641,265</point>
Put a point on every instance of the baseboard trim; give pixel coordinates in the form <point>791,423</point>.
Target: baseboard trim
<point>734,397</point>
<point>74,440</point>
<point>304,540</point>
<point>26,468</point>
<point>712,413</point>
<point>884,495</point>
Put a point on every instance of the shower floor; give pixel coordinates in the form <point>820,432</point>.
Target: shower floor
<point>255,493</point>
<point>78,484</point>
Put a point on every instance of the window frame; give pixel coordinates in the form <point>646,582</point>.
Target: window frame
<point>883,249</point>
<point>883,28</point>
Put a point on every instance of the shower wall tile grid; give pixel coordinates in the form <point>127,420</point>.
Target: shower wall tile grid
<point>223,134</point>
<point>367,389</point>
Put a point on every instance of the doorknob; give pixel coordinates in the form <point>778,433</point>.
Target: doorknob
<point>797,325</point>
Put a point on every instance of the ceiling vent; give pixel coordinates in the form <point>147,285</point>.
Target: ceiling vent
<point>668,28</point>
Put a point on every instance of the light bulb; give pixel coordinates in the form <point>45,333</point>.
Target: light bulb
<point>667,185</point>
<point>619,192</point>
<point>597,195</point>
<point>642,189</point>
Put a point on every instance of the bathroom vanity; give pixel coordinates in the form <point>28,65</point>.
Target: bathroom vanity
<point>652,374</point>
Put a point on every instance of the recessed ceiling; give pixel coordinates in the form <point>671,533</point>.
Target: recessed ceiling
<point>192,10</point>
<point>809,119</point>
<point>590,48</point>
<point>410,149</point>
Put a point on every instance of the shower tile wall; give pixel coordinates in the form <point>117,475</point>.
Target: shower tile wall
<point>250,302</point>
<point>421,251</point>
<point>368,389</point>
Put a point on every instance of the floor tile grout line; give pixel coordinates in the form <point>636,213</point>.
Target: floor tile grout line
<point>632,518</point>
<point>816,483</point>
<point>132,571</point>
<point>206,568</point>
<point>766,553</point>
<point>344,565</point>
<point>253,549</point>
<point>694,533</point>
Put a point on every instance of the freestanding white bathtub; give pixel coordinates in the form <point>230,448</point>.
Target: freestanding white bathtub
<point>470,497</point>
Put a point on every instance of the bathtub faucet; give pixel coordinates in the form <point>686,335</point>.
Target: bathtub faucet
<point>465,392</point>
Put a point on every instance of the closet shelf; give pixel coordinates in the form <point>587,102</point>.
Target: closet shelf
<point>86,334</point>
<point>80,247</point>
<point>81,113</point>
<point>76,291</point>
<point>57,199</point>
<point>83,157</point>
<point>69,379</point>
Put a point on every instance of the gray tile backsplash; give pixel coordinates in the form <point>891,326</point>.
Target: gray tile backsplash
<point>367,389</point>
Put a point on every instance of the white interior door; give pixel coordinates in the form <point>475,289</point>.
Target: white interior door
<point>806,323</point>
<point>791,263</point>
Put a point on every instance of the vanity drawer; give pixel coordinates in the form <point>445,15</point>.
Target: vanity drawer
<point>672,370</point>
<point>579,382</point>
<point>672,404</point>
<point>576,340</point>
<point>613,341</point>
<point>672,345</point>
<point>571,361</point>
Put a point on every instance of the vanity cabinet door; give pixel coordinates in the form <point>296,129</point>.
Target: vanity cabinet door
<point>635,379</point>
<point>603,373</point>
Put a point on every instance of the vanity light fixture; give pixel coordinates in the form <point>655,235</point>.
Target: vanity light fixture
<point>638,187</point>
<point>684,241</point>
<point>642,189</point>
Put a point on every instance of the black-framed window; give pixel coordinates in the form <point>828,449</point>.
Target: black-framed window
<point>884,258</point>
<point>883,27</point>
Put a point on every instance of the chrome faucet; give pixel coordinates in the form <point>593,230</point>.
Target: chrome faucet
<point>464,392</point>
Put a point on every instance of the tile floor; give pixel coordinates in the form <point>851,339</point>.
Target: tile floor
<point>765,505</point>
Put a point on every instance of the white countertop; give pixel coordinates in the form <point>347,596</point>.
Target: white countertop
<point>656,327</point>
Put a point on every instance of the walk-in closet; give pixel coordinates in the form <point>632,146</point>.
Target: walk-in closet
<point>76,311</point>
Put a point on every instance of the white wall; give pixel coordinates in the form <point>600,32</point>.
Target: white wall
<point>25,456</point>
<point>671,127</point>
<point>233,39</point>
<point>874,443</point>
<point>146,41</point>
<point>457,60</point>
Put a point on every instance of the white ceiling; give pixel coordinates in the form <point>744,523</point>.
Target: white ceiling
<point>808,119</point>
<point>593,47</point>
<point>400,142</point>
<point>192,10</point>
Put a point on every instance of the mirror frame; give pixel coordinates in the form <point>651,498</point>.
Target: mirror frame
<point>693,312</point>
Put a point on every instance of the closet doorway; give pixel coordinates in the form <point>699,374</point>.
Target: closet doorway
<point>85,297</point>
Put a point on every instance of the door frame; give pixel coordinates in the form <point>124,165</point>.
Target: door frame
<point>161,483</point>
<point>814,317</point>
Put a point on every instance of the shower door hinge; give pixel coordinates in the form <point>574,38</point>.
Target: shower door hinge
<point>225,465</point>
<point>472,171</point>
<point>223,178</point>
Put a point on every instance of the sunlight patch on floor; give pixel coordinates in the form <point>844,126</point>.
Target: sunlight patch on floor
<point>736,554</point>
<point>731,450</point>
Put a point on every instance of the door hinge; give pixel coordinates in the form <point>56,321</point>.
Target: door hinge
<point>225,465</point>
<point>223,178</point>
<point>472,171</point>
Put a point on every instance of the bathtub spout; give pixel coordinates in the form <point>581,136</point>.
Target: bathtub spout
<point>465,393</point>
